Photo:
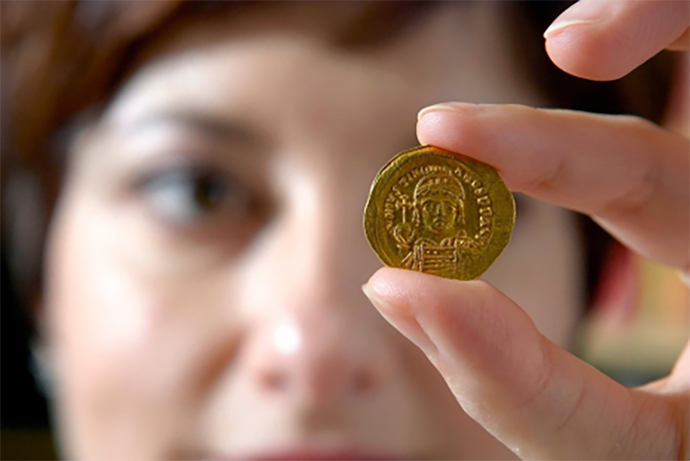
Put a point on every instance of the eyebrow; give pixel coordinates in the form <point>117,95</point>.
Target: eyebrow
<point>210,126</point>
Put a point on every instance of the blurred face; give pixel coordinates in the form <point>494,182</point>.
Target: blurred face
<point>206,257</point>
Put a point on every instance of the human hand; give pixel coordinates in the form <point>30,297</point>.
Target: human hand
<point>605,40</point>
<point>633,178</point>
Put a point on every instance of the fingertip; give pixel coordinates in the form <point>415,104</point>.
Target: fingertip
<point>571,36</point>
<point>386,291</point>
<point>383,282</point>
<point>580,52</point>
<point>397,287</point>
<point>417,293</point>
<point>604,41</point>
<point>448,126</point>
<point>578,42</point>
<point>429,125</point>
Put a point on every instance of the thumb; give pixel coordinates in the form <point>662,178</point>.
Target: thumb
<point>537,399</point>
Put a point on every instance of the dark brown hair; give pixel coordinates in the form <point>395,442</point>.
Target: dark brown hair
<point>63,59</point>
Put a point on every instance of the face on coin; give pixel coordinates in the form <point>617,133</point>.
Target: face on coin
<point>439,214</point>
<point>436,212</point>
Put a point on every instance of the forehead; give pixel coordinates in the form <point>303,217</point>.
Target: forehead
<point>439,196</point>
<point>284,53</point>
<point>348,26</point>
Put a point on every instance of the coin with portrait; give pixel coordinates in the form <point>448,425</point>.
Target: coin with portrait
<point>438,212</point>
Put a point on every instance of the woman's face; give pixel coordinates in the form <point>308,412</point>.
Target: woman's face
<point>206,257</point>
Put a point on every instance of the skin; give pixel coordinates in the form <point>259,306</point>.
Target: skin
<point>633,177</point>
<point>241,331</point>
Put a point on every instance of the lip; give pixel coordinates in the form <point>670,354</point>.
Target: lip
<point>311,455</point>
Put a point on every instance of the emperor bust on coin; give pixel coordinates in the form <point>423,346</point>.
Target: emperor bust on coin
<point>437,212</point>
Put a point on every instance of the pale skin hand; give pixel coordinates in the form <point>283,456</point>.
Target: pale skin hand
<point>633,178</point>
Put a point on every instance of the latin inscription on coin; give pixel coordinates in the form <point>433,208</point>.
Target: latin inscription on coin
<point>437,212</point>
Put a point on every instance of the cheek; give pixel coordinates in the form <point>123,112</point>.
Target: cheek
<point>130,341</point>
<point>96,310</point>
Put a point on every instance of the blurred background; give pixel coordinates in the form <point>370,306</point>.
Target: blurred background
<point>25,432</point>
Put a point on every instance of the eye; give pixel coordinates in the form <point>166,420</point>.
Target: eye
<point>189,197</point>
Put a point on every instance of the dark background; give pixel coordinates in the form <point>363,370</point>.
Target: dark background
<point>24,430</point>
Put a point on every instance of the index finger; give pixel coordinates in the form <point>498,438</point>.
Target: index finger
<point>605,40</point>
<point>628,173</point>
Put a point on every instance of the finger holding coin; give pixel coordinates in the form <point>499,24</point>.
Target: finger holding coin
<point>630,175</point>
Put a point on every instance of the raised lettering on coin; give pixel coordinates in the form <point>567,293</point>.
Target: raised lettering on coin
<point>437,212</point>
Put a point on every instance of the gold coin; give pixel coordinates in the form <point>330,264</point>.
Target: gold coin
<point>440,213</point>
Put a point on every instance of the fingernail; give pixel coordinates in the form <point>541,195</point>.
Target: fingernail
<point>450,107</point>
<point>584,12</point>
<point>401,319</point>
<point>559,26</point>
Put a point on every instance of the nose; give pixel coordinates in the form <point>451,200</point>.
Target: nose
<point>318,359</point>
<point>319,339</point>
